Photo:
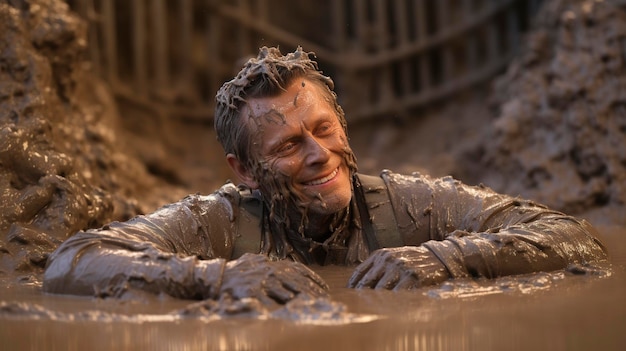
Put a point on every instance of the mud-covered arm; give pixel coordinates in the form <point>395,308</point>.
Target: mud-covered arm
<point>94,266</point>
<point>92,263</point>
<point>462,231</point>
<point>158,252</point>
<point>179,250</point>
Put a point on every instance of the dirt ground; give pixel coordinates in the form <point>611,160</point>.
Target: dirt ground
<point>552,128</point>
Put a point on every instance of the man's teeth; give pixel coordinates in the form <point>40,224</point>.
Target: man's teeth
<point>323,180</point>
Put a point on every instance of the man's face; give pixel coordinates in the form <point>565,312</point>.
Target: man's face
<point>299,138</point>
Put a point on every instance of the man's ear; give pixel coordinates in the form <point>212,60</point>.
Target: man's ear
<point>241,171</point>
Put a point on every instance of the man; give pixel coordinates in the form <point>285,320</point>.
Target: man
<point>301,199</point>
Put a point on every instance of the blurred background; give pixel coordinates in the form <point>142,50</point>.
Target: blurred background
<point>407,72</point>
<point>388,58</point>
<point>415,77</point>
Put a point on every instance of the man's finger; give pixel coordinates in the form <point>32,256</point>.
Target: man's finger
<point>359,272</point>
<point>407,282</point>
<point>276,291</point>
<point>371,278</point>
<point>389,279</point>
<point>300,283</point>
<point>311,275</point>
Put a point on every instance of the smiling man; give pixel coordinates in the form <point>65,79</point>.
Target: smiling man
<point>302,201</point>
<point>301,143</point>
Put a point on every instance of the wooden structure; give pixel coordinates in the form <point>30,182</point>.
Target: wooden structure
<point>387,57</point>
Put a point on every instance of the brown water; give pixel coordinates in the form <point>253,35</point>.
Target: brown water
<point>551,311</point>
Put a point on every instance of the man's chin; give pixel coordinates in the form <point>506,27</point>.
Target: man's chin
<point>328,207</point>
<point>336,201</point>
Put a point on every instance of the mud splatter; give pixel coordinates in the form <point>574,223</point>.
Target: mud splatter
<point>302,310</point>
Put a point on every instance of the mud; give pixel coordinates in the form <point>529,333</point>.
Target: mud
<point>561,310</point>
<point>67,164</point>
<point>559,132</point>
<point>62,160</point>
<point>549,129</point>
<point>556,134</point>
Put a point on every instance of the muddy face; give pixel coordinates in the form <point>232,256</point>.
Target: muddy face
<point>303,152</point>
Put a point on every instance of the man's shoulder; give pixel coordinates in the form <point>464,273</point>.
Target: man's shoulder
<point>401,180</point>
<point>389,177</point>
<point>229,191</point>
<point>228,195</point>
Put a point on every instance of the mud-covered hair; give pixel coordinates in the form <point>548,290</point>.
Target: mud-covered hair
<point>267,75</point>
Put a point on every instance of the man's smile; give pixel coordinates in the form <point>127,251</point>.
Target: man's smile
<point>323,180</point>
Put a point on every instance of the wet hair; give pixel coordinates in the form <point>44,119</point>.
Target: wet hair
<point>267,75</point>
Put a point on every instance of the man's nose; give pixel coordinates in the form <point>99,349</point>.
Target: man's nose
<point>316,152</point>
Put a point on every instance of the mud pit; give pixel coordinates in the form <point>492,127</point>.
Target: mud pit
<point>67,163</point>
<point>556,311</point>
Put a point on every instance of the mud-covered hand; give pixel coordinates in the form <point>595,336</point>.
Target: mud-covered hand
<point>256,276</point>
<point>399,268</point>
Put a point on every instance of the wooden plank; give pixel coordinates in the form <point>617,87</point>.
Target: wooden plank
<point>160,42</point>
<point>139,47</point>
<point>110,42</point>
<point>339,24</point>
<point>94,25</point>
<point>187,27</point>
<point>513,30</point>
<point>402,33</point>
<point>243,35</point>
<point>422,35</point>
<point>213,35</point>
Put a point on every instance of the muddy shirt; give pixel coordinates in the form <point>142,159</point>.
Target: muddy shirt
<point>473,231</point>
<point>463,230</point>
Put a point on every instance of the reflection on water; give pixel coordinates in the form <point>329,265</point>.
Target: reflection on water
<point>552,311</point>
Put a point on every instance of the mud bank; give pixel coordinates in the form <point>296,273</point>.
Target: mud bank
<point>63,165</point>
<point>559,132</point>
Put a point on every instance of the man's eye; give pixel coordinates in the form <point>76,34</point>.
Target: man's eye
<point>285,148</point>
<point>324,129</point>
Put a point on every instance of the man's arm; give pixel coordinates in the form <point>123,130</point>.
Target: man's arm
<point>101,264</point>
<point>473,232</point>
<point>179,250</point>
<point>158,251</point>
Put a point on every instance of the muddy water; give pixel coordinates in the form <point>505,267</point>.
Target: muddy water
<point>556,311</point>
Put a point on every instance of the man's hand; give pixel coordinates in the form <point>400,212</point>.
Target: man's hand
<point>270,281</point>
<point>400,268</point>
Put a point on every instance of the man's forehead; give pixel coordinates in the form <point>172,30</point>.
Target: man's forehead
<point>301,93</point>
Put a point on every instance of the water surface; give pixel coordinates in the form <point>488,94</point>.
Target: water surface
<point>544,311</point>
